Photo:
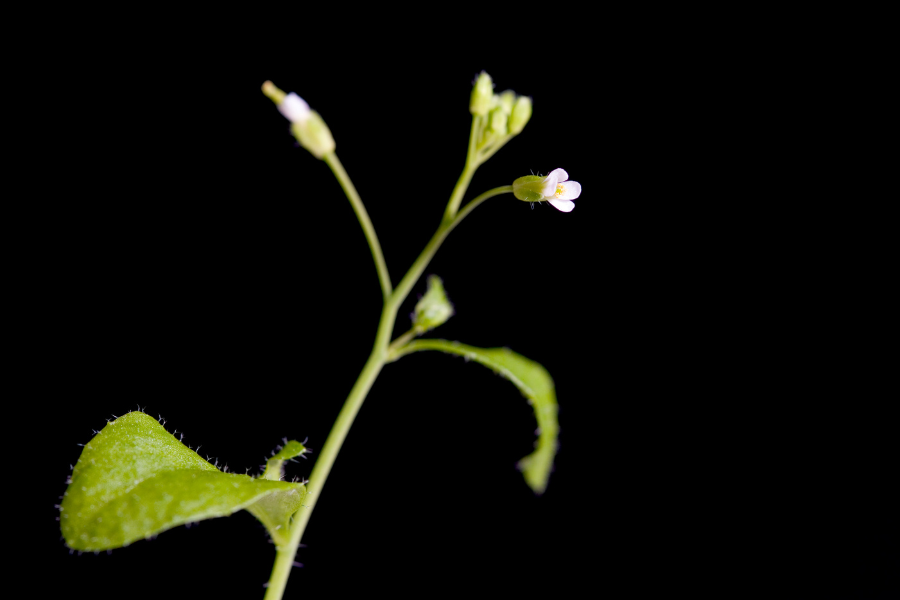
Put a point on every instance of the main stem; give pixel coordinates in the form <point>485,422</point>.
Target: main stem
<point>393,298</point>
<point>284,559</point>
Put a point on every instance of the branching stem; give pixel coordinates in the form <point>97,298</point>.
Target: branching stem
<point>380,355</point>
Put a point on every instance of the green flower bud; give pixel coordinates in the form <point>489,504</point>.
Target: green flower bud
<point>498,121</point>
<point>482,94</point>
<point>506,100</point>
<point>521,112</point>
<point>434,308</point>
<point>314,135</point>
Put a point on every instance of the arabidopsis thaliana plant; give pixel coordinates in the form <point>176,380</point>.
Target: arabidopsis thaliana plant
<point>555,188</point>
<point>294,108</point>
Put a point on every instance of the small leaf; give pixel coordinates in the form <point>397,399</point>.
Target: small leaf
<point>536,385</point>
<point>433,309</point>
<point>290,450</point>
<point>275,510</point>
<point>134,480</point>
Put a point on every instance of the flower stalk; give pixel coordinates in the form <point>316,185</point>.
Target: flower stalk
<point>359,208</point>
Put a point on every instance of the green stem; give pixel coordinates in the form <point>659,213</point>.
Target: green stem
<point>415,271</point>
<point>284,558</point>
<point>493,149</point>
<point>503,189</point>
<point>338,169</point>
<point>400,342</point>
<point>471,166</point>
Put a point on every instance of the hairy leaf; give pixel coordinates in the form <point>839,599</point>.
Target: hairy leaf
<point>536,385</point>
<point>134,480</point>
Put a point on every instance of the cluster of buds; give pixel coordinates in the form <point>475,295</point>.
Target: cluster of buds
<point>502,115</point>
<point>306,125</point>
<point>497,118</point>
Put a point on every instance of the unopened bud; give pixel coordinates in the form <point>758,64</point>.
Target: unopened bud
<point>306,125</point>
<point>482,94</point>
<point>498,121</point>
<point>314,135</point>
<point>521,112</point>
<point>506,100</point>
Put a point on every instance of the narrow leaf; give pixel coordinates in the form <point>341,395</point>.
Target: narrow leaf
<point>536,385</point>
<point>134,480</point>
<point>275,510</point>
<point>291,449</point>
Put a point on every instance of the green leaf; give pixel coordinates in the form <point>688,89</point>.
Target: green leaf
<point>291,449</point>
<point>134,480</point>
<point>275,510</point>
<point>536,385</point>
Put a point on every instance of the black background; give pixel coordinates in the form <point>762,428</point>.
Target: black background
<point>722,424</point>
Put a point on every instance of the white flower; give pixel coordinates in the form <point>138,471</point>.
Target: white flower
<point>560,192</point>
<point>294,108</point>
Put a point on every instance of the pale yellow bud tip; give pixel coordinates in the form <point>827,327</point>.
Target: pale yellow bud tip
<point>274,94</point>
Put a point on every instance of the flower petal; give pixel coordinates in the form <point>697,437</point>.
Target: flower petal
<point>549,185</point>
<point>560,174</point>
<point>294,108</point>
<point>571,190</point>
<point>563,205</point>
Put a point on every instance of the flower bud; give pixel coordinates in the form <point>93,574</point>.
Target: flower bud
<point>306,125</point>
<point>482,94</point>
<point>498,121</point>
<point>433,309</point>
<point>521,112</point>
<point>506,100</point>
<point>314,135</point>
